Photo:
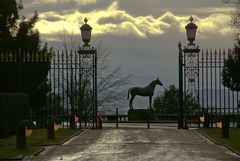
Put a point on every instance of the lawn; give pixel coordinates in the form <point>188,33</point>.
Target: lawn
<point>34,143</point>
<point>233,141</point>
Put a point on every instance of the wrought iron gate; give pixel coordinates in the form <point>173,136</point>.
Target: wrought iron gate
<point>200,75</point>
<point>73,81</point>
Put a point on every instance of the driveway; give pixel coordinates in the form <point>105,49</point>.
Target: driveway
<point>137,144</point>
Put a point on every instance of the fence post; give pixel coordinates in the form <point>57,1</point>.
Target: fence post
<point>206,121</point>
<point>148,119</point>
<point>80,122</point>
<point>180,81</point>
<point>238,122</point>
<point>225,127</point>
<point>116,117</point>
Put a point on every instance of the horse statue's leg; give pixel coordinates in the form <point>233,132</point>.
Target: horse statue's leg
<point>131,101</point>
<point>150,102</point>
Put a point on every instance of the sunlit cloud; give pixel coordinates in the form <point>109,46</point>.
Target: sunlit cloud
<point>80,2</point>
<point>113,20</point>
<point>215,23</point>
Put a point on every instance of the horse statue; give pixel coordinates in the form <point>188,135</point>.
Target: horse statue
<point>145,91</point>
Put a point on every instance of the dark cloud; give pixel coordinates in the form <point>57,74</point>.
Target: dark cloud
<point>156,54</point>
<point>158,7</point>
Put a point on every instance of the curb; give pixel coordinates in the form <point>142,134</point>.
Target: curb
<point>22,156</point>
<point>217,143</point>
<point>39,151</point>
<point>60,143</point>
<point>77,133</point>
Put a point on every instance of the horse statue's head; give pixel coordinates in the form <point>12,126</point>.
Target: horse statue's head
<point>158,82</point>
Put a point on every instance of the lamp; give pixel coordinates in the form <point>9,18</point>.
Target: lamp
<point>191,30</point>
<point>86,32</point>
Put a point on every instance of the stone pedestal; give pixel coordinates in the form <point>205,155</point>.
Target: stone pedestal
<point>140,114</point>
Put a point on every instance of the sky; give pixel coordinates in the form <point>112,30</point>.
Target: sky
<point>142,35</point>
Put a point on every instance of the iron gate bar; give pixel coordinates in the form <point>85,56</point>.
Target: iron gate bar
<point>224,90</point>
<point>229,93</point>
<point>50,94</point>
<point>180,76</point>
<point>184,90</point>
<point>54,85</point>
<point>220,82</point>
<point>211,88</point>
<point>58,84</point>
<point>198,85</point>
<point>203,103</point>
<point>67,60</point>
<point>80,94</point>
<point>215,80</point>
<point>207,80</point>
<point>75,89</point>
<point>63,89</point>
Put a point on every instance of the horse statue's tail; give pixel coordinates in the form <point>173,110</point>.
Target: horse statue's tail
<point>128,94</point>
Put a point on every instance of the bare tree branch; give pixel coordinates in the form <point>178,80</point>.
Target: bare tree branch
<point>110,80</point>
<point>235,22</point>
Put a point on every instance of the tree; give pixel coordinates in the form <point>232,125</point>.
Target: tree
<point>168,102</point>
<point>230,73</point>
<point>235,22</point>
<point>19,40</point>
<point>109,83</point>
<point>9,14</point>
<point>17,33</point>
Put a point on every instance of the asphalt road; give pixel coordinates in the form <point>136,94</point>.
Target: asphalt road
<point>137,143</point>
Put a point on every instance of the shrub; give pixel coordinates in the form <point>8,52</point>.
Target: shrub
<point>14,107</point>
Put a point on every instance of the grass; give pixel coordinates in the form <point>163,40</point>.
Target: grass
<point>34,143</point>
<point>234,137</point>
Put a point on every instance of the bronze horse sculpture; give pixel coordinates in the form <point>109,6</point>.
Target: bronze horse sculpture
<point>145,91</point>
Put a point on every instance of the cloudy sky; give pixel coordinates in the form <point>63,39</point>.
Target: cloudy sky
<point>141,34</point>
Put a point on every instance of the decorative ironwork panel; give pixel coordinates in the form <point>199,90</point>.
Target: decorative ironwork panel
<point>202,78</point>
<point>88,83</point>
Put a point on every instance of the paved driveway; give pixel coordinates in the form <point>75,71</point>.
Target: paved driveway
<point>138,144</point>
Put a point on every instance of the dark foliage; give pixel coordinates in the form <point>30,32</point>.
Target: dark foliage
<point>14,108</point>
<point>230,73</point>
<point>168,102</point>
<point>18,38</point>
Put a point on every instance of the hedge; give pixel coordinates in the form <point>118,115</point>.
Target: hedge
<point>14,107</point>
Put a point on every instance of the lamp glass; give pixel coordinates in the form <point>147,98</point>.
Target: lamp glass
<point>191,34</point>
<point>86,36</point>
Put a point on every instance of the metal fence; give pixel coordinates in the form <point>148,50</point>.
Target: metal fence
<point>202,79</point>
<point>70,76</point>
<point>73,83</point>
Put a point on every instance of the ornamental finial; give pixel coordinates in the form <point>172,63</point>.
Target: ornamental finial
<point>85,20</point>
<point>191,18</point>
